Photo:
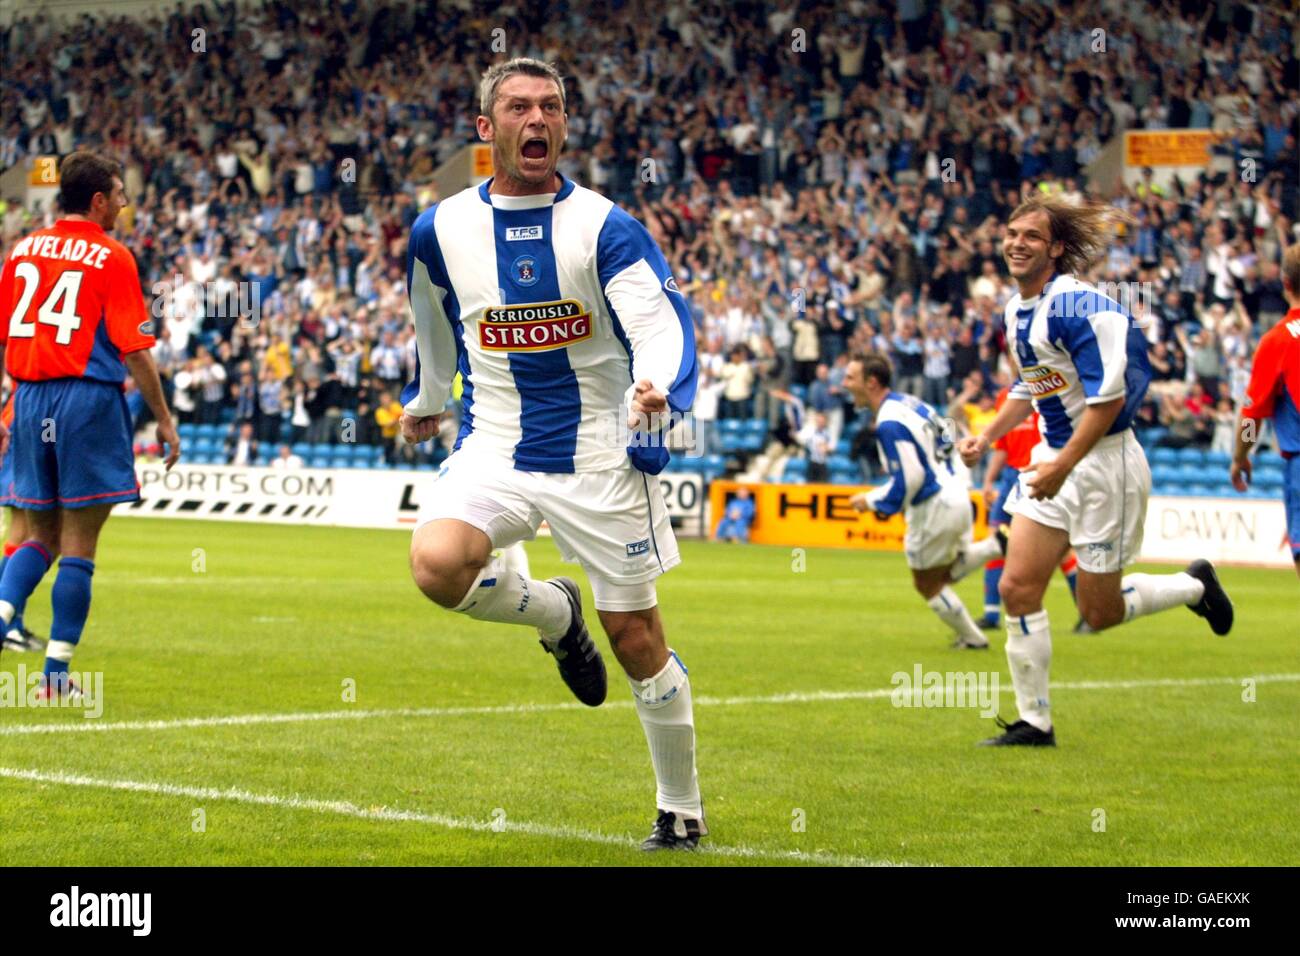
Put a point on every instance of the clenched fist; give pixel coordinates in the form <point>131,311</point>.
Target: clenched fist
<point>972,449</point>
<point>416,429</point>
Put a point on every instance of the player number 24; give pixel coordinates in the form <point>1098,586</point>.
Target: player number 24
<point>59,308</point>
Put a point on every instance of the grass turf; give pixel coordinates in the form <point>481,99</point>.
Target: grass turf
<point>283,620</point>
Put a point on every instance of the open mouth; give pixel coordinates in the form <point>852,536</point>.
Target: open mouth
<point>1020,257</point>
<point>535,148</point>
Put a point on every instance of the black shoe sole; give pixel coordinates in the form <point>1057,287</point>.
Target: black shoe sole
<point>1043,740</point>
<point>587,679</point>
<point>1215,605</point>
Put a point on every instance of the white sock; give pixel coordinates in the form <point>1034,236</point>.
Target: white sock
<point>508,598</point>
<point>1149,593</point>
<point>515,559</point>
<point>953,613</point>
<point>974,556</point>
<point>663,703</point>
<point>6,613</point>
<point>1029,654</point>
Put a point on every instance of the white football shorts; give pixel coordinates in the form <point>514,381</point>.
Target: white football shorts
<point>614,523</point>
<point>938,528</point>
<point>1102,505</point>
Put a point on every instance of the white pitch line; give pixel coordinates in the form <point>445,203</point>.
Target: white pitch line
<point>389,815</point>
<point>796,697</point>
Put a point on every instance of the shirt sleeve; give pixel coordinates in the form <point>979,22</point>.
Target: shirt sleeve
<point>649,312</point>
<point>905,472</point>
<point>1265,377</point>
<point>433,310</point>
<point>128,323</point>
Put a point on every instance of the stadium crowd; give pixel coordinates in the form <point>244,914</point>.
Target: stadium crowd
<point>822,177</point>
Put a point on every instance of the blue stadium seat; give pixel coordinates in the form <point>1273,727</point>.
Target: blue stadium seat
<point>756,426</point>
<point>323,449</point>
<point>1191,456</point>
<point>1218,459</point>
<point>188,431</point>
<point>732,441</point>
<point>1164,474</point>
<point>204,444</point>
<point>800,392</point>
<point>1164,456</point>
<point>843,447</point>
<point>1149,436</point>
<point>844,476</point>
<point>842,463</point>
<point>795,468</point>
<point>302,450</point>
<point>319,461</point>
<point>714,463</point>
<point>731,426</point>
<point>1268,479</point>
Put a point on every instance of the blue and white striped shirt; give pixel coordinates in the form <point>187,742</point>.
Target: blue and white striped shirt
<point>550,307</point>
<point>1076,347</point>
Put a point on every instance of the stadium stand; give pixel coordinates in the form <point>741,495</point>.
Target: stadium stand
<point>844,192</point>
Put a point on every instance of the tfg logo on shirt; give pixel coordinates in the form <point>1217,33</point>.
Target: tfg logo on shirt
<point>103,909</point>
<point>535,327</point>
<point>519,233</point>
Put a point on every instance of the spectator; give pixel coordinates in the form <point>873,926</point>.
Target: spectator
<point>286,460</point>
<point>816,440</point>
<point>388,414</point>
<point>737,386</point>
<point>241,446</point>
<point>737,518</point>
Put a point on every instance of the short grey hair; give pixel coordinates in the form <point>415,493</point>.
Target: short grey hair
<point>498,72</point>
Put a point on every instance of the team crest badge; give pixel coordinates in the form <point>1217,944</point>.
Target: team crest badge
<point>525,270</point>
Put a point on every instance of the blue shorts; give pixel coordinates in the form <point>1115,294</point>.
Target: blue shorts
<point>1291,501</point>
<point>70,446</point>
<point>1007,480</point>
<point>7,477</point>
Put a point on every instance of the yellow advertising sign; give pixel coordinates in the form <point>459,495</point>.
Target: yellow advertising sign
<point>44,171</point>
<point>482,161</point>
<point>820,516</point>
<point>1168,147</point>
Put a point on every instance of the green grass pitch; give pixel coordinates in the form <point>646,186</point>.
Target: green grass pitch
<point>462,745</point>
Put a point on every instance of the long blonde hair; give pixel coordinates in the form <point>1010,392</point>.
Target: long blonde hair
<point>1084,228</point>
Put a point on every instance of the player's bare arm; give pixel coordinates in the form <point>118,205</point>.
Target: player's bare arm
<point>1241,471</point>
<point>996,463</point>
<point>145,373</point>
<point>1014,411</point>
<point>1048,476</point>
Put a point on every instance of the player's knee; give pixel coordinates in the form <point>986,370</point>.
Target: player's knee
<point>1017,595</point>
<point>441,576</point>
<point>633,639</point>
<point>1100,616</point>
